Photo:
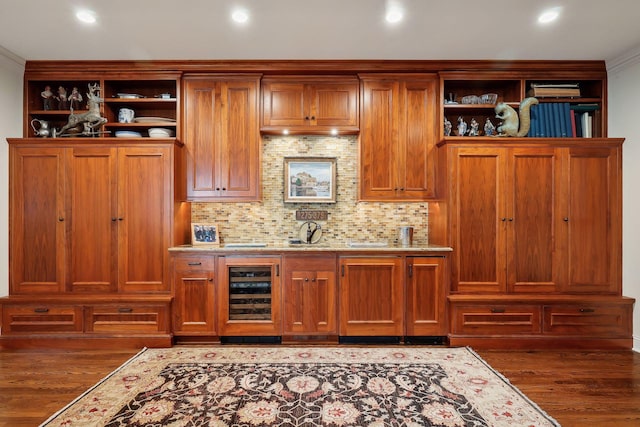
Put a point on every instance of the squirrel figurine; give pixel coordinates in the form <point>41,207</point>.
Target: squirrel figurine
<point>514,123</point>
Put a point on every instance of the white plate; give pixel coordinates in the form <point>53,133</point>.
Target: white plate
<point>128,134</point>
<point>128,95</point>
<point>153,119</point>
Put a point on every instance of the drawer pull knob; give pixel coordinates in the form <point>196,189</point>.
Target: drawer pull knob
<point>195,263</point>
<point>587,310</point>
<point>497,310</point>
<point>41,310</point>
<point>125,310</point>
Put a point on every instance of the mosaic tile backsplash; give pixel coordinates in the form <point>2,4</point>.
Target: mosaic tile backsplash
<point>274,222</point>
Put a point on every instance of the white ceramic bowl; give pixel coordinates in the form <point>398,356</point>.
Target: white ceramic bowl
<point>160,133</point>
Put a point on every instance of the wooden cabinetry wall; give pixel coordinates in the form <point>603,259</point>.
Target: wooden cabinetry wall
<point>534,223</point>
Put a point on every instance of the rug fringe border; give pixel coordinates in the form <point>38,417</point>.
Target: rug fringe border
<point>514,388</point>
<point>114,372</point>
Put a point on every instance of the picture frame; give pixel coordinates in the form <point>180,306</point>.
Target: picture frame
<point>310,180</point>
<point>205,234</point>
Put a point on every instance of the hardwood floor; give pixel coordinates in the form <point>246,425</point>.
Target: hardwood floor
<point>576,388</point>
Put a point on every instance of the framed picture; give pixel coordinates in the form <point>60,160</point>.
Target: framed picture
<point>309,180</point>
<point>204,234</point>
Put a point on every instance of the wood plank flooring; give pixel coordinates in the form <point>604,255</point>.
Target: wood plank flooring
<point>576,388</point>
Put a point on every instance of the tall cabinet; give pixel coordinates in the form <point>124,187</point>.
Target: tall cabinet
<point>93,214</point>
<point>536,232</point>
<point>221,137</point>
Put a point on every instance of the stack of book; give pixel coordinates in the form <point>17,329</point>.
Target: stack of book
<point>562,120</point>
<point>559,90</point>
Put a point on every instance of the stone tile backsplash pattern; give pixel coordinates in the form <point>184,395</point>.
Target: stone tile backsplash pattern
<point>274,222</point>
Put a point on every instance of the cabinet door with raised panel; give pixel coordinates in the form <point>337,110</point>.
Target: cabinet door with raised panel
<point>144,218</point>
<point>427,296</point>
<point>239,147</point>
<point>38,220</point>
<point>378,139</point>
<point>371,296</point>
<point>91,184</point>
<point>201,114</point>
<point>479,222</point>
<point>418,131</point>
<point>309,295</point>
<point>194,304</point>
<point>283,104</point>
<point>534,220</point>
<point>593,219</point>
<point>334,104</point>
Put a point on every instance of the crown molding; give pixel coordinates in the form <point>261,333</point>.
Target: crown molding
<point>12,57</point>
<point>628,59</point>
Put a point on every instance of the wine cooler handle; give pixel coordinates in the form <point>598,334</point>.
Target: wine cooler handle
<point>277,270</point>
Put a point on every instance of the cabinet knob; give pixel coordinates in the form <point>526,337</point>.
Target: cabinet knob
<point>565,219</point>
<point>497,310</point>
<point>41,310</point>
<point>60,219</point>
<point>510,219</point>
<point>120,218</point>
<point>306,279</point>
<point>217,188</point>
<point>210,280</point>
<point>224,189</point>
<point>306,117</point>
<point>125,310</point>
<point>114,219</point>
<point>313,117</point>
<point>503,219</point>
<point>313,280</point>
<point>587,310</point>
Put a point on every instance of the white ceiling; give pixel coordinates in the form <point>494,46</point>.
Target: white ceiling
<point>321,29</point>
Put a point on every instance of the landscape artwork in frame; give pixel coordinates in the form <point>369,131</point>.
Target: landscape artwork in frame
<point>205,234</point>
<point>309,180</point>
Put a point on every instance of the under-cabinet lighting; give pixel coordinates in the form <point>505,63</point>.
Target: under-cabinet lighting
<point>285,132</point>
<point>86,16</point>
<point>549,15</point>
<point>334,132</point>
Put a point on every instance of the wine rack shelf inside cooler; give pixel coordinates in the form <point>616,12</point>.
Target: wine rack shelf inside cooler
<point>250,293</point>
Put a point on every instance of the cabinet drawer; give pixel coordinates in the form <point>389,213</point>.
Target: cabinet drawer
<point>588,320</point>
<point>19,319</point>
<point>127,319</point>
<point>194,263</point>
<point>495,319</point>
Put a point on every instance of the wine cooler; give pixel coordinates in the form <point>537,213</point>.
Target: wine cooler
<point>249,296</point>
<point>250,293</point>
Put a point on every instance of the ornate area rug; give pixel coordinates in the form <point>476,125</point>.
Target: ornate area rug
<point>296,386</point>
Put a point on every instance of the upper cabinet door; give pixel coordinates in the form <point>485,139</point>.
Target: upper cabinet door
<point>397,159</point>
<point>310,105</point>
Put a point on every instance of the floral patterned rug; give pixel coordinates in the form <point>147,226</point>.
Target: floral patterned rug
<point>301,386</point>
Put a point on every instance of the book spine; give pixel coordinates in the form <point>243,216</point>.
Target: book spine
<point>572,117</point>
<point>566,115</point>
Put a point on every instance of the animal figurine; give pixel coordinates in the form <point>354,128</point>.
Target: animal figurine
<point>514,123</point>
<point>90,120</point>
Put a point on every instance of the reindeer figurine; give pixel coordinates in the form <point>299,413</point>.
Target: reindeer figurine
<point>91,119</point>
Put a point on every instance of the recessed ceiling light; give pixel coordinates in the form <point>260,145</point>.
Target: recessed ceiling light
<point>394,14</point>
<point>240,16</point>
<point>549,15</point>
<point>86,16</point>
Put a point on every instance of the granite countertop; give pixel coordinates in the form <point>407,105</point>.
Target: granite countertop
<point>303,247</point>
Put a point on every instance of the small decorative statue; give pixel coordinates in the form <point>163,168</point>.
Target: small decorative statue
<point>462,126</point>
<point>47,98</point>
<point>86,123</point>
<point>489,128</point>
<point>75,99</point>
<point>447,127</point>
<point>474,128</point>
<point>513,123</point>
<point>63,101</point>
